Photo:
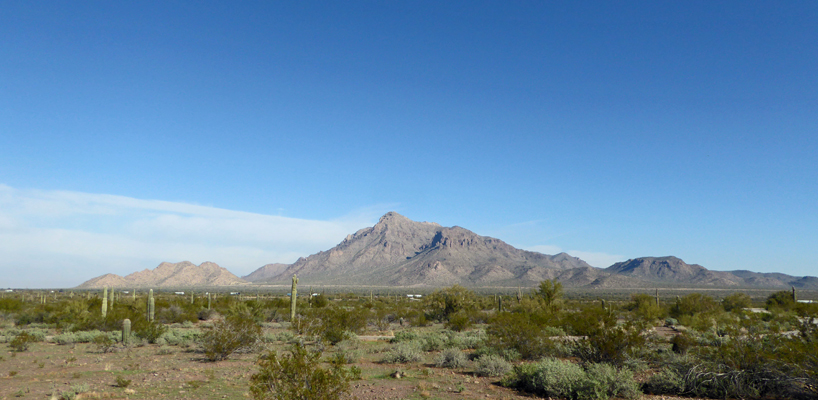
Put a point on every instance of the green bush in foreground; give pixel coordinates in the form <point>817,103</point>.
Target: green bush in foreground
<point>451,358</point>
<point>228,336</point>
<point>21,342</point>
<point>299,376</point>
<point>403,352</point>
<point>492,365</point>
<point>562,379</point>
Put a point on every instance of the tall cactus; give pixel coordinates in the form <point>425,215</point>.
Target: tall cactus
<point>151,305</point>
<point>657,296</point>
<point>104,301</point>
<point>126,331</point>
<point>133,296</point>
<point>111,302</point>
<point>292,298</point>
<point>208,300</point>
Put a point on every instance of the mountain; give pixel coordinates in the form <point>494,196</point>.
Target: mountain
<point>266,272</point>
<point>671,270</point>
<point>175,275</point>
<point>399,251</point>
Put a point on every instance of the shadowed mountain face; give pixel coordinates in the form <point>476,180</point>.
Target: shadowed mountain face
<point>399,251</point>
<point>171,275</point>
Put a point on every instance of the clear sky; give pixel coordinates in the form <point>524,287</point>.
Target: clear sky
<point>247,133</point>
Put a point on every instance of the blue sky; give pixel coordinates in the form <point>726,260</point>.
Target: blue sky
<point>247,133</point>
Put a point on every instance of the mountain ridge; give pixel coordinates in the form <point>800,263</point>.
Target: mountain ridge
<point>398,251</point>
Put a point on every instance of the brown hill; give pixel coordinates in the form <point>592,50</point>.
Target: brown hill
<point>399,251</point>
<point>266,272</point>
<point>673,270</point>
<point>175,275</point>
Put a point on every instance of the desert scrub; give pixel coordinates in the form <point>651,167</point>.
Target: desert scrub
<point>451,358</point>
<point>230,335</point>
<point>298,375</point>
<point>21,342</point>
<point>492,365</point>
<point>403,352</point>
<point>150,331</point>
<point>562,379</point>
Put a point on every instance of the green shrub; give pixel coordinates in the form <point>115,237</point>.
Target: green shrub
<point>521,332</point>
<point>445,302</point>
<point>492,365</point>
<point>228,336</point>
<point>451,358</point>
<point>680,344</point>
<point>548,378</point>
<point>104,343</point>
<point>611,345</point>
<point>334,324</point>
<point>736,302</point>
<point>692,304</point>
<point>459,321</point>
<point>298,375</point>
<point>403,352</point>
<point>644,307</point>
<point>561,379</point>
<point>604,381</point>
<point>782,299</point>
<point>122,382</point>
<point>21,342</point>
<point>150,331</point>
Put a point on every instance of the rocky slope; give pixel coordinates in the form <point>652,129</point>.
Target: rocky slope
<point>266,272</point>
<point>399,251</point>
<point>171,275</point>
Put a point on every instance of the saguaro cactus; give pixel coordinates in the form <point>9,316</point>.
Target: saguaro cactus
<point>208,300</point>
<point>126,331</point>
<point>657,296</point>
<point>104,302</point>
<point>151,305</point>
<point>111,302</point>
<point>794,296</point>
<point>292,298</point>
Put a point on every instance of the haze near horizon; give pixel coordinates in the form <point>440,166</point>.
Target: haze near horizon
<point>254,133</point>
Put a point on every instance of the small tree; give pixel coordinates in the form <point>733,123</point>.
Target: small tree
<point>298,376</point>
<point>445,302</point>
<point>550,292</point>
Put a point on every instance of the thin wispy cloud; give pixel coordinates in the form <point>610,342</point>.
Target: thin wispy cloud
<point>76,236</point>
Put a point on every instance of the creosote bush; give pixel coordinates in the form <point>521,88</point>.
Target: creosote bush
<point>451,358</point>
<point>298,375</point>
<point>403,352</point>
<point>21,342</point>
<point>492,365</point>
<point>562,379</point>
<point>230,335</point>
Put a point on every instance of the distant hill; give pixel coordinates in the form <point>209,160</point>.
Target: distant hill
<point>399,251</point>
<point>266,272</point>
<point>671,270</point>
<point>177,275</point>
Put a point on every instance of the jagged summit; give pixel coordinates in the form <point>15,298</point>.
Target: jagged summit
<point>399,251</point>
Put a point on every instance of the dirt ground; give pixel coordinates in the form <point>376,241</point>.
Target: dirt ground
<point>48,371</point>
